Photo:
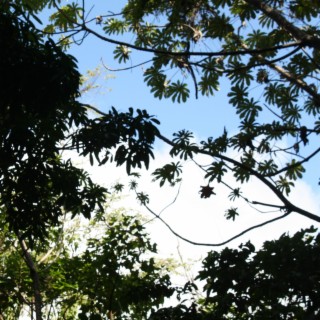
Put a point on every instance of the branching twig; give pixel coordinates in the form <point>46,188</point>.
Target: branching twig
<point>167,206</point>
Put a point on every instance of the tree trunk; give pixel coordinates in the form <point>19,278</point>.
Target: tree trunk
<point>34,277</point>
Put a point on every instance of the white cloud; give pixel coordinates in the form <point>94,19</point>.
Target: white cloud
<point>202,220</point>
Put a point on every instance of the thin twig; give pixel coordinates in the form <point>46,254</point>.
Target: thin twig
<point>125,69</point>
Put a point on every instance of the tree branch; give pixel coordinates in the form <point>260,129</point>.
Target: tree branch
<point>296,164</point>
<point>215,244</point>
<point>189,53</point>
<point>288,205</point>
<point>301,36</point>
<point>128,68</point>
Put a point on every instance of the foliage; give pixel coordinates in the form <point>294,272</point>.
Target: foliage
<point>269,60</point>
<point>267,50</point>
<point>94,281</point>
<point>42,118</point>
<point>275,282</point>
<point>279,281</point>
<point>270,63</point>
<point>38,109</point>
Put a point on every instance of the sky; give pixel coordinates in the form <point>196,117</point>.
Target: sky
<point>200,220</point>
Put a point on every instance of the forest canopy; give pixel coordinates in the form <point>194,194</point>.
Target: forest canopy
<point>267,50</point>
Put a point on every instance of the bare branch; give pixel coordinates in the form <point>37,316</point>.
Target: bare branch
<point>128,68</point>
<point>215,244</point>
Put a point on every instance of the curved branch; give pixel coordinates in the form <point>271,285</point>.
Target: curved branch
<point>215,244</point>
<point>190,53</point>
<point>128,68</point>
<point>167,206</point>
<point>288,205</point>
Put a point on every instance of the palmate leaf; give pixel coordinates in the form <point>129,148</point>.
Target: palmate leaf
<point>209,84</point>
<point>239,74</point>
<point>216,171</point>
<point>170,172</point>
<point>219,27</point>
<point>235,194</point>
<point>284,185</point>
<point>238,94</point>
<point>115,26</point>
<point>231,214</point>
<point>267,167</point>
<point>143,198</point>
<point>312,107</point>
<point>294,170</point>
<point>67,16</point>
<point>122,53</point>
<point>178,91</point>
<point>157,80</point>
<point>183,145</point>
<point>249,110</point>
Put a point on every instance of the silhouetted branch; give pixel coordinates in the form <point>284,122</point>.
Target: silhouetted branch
<point>220,243</point>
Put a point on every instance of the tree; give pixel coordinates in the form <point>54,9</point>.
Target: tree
<point>87,270</point>
<point>275,282</point>
<point>37,185</point>
<point>40,119</point>
<point>272,46</point>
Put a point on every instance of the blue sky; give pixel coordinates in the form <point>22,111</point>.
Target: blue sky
<point>127,89</point>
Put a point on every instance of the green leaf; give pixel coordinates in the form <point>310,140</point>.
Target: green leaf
<point>122,53</point>
<point>178,91</point>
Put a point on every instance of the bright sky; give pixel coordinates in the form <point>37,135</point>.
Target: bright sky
<point>200,220</point>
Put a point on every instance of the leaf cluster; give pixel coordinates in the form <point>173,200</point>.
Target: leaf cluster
<point>272,282</point>
<point>245,283</point>
<point>131,135</point>
<point>95,282</point>
<point>38,107</point>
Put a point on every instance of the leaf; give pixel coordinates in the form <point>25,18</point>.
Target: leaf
<point>178,92</point>
<point>295,170</point>
<point>169,172</point>
<point>122,53</point>
<point>216,171</point>
<point>231,213</point>
<point>284,185</point>
<point>206,192</point>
